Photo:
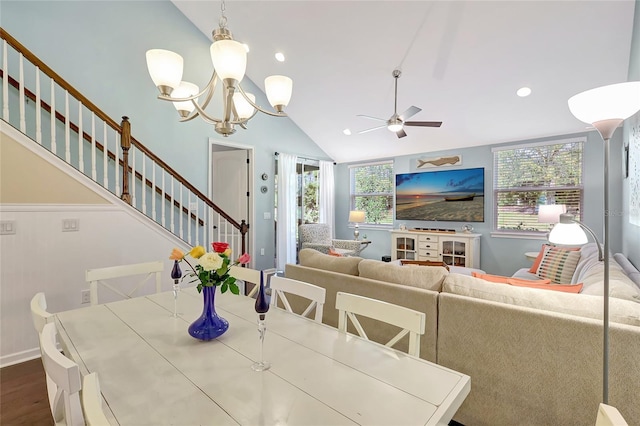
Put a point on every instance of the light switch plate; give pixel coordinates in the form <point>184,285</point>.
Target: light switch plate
<point>70,225</point>
<point>7,227</point>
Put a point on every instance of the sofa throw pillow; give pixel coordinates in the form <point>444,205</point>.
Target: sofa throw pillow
<point>536,263</point>
<point>507,280</point>
<point>333,252</point>
<point>566,288</point>
<point>558,264</point>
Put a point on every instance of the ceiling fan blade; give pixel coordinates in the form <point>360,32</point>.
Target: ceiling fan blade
<point>371,118</point>
<point>423,123</point>
<point>371,129</point>
<point>401,133</point>
<point>410,112</point>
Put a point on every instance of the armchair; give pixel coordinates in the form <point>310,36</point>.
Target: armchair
<point>318,237</point>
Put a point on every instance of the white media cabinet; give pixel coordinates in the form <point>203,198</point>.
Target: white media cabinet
<point>452,248</point>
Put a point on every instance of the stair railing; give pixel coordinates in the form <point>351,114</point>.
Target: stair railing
<point>115,160</point>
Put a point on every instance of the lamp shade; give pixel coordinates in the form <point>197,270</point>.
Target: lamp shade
<point>550,213</point>
<point>185,90</point>
<point>279,89</point>
<point>356,216</point>
<point>165,67</point>
<point>616,101</point>
<point>229,59</point>
<point>567,234</point>
<point>244,108</point>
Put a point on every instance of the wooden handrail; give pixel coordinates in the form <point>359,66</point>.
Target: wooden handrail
<point>242,227</point>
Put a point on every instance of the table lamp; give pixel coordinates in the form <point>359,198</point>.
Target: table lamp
<point>356,216</point>
<point>606,108</point>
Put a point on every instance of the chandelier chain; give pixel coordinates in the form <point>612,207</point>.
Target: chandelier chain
<point>223,17</point>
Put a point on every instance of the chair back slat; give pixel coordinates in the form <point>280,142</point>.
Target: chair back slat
<point>410,321</point>
<point>39,313</point>
<point>65,374</point>
<point>92,401</point>
<point>99,275</point>
<point>280,286</point>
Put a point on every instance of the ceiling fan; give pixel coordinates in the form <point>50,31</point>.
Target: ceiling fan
<point>397,121</point>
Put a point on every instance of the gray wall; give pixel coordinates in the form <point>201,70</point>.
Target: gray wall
<point>99,48</point>
<point>631,240</point>
<point>501,255</point>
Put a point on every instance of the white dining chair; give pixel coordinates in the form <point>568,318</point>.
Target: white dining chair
<point>248,275</point>
<point>280,286</point>
<point>39,313</point>
<point>99,275</point>
<point>412,322</point>
<point>65,374</point>
<point>92,401</point>
<point>609,416</point>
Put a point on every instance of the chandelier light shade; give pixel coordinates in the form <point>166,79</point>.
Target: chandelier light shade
<point>279,89</point>
<point>184,90</point>
<point>165,68</point>
<point>229,59</point>
<point>244,108</point>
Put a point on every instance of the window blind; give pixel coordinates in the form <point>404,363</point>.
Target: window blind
<point>527,176</point>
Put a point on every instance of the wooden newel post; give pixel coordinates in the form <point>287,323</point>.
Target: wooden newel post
<point>244,228</point>
<point>125,143</point>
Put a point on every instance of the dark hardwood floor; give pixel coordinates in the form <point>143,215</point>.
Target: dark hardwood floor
<point>23,395</point>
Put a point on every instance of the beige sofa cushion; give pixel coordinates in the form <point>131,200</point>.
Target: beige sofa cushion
<point>343,265</point>
<point>588,306</point>
<point>426,277</point>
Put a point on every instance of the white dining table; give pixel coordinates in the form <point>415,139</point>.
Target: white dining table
<point>152,372</point>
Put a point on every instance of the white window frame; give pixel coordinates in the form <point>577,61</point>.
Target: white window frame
<point>353,195</point>
<point>531,234</point>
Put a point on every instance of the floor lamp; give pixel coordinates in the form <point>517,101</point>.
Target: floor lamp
<point>606,108</point>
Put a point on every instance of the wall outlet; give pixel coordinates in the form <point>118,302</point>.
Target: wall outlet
<point>7,227</point>
<point>86,296</point>
<point>70,225</point>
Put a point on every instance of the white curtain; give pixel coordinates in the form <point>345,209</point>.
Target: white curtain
<point>327,195</point>
<point>287,221</point>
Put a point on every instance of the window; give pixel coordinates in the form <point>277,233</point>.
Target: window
<point>372,191</point>
<point>526,176</point>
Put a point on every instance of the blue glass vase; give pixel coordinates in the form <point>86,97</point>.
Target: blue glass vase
<point>210,325</point>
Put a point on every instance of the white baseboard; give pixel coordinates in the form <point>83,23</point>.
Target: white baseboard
<point>18,357</point>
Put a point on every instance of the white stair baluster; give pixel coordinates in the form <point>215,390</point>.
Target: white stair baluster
<point>132,189</point>
<point>116,167</point>
<point>195,221</point>
<point>189,218</point>
<point>38,109</point>
<point>23,121</point>
<point>143,186</point>
<point>173,228</point>
<point>94,172</point>
<point>5,83</point>
<point>53,117</point>
<point>105,156</point>
<point>67,129</point>
<point>162,198</point>
<point>80,139</point>
<point>153,189</point>
<point>180,205</point>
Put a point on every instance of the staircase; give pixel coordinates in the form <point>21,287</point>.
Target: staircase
<point>51,112</point>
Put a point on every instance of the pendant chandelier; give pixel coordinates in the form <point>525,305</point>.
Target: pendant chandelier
<point>229,58</point>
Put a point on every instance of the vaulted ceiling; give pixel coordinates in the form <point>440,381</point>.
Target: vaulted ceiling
<point>461,62</point>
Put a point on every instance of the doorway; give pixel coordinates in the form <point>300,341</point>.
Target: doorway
<point>230,181</point>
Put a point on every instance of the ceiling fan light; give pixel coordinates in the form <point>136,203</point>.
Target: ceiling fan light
<point>244,108</point>
<point>394,127</point>
<point>184,90</point>
<point>229,59</point>
<point>165,68</point>
<point>278,88</point>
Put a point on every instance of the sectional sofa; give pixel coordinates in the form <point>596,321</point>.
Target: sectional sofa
<point>534,356</point>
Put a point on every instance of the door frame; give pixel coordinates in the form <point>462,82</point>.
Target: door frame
<point>250,152</point>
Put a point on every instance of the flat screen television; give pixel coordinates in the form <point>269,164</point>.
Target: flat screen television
<point>443,195</point>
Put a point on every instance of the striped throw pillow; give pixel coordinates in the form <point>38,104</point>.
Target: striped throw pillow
<point>558,265</point>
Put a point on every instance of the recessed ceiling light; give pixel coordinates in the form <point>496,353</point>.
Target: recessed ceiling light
<point>280,57</point>
<point>347,132</point>
<point>523,92</point>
